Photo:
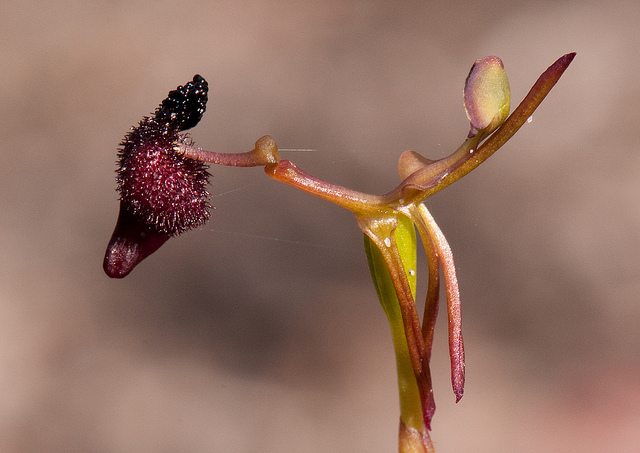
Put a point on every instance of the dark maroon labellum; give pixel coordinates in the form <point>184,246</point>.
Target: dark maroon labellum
<point>162,193</point>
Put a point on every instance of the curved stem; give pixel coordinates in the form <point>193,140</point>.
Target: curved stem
<point>265,152</point>
<point>247,159</point>
<point>357,202</point>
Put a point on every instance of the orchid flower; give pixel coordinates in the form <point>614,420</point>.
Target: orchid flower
<point>162,183</point>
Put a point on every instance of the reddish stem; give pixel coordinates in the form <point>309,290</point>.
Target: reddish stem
<point>357,202</point>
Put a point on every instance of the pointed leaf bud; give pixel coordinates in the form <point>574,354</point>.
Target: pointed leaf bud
<point>487,96</point>
<point>162,193</point>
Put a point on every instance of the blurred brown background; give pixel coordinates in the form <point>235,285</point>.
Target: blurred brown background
<point>239,337</point>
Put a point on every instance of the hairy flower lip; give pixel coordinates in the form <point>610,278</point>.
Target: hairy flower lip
<point>162,193</point>
<point>166,190</point>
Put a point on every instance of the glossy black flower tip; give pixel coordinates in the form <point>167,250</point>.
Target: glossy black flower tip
<point>131,242</point>
<point>183,108</point>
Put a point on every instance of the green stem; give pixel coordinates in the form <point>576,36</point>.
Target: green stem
<point>411,411</point>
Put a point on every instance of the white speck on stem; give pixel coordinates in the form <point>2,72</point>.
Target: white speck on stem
<point>529,119</point>
<point>387,242</point>
<point>412,272</point>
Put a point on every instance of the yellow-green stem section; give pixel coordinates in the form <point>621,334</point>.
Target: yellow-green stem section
<point>410,406</point>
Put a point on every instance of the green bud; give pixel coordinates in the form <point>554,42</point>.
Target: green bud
<point>487,96</point>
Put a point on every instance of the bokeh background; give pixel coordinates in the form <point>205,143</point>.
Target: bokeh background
<point>261,331</point>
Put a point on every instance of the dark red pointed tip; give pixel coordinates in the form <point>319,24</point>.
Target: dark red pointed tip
<point>131,242</point>
<point>557,68</point>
